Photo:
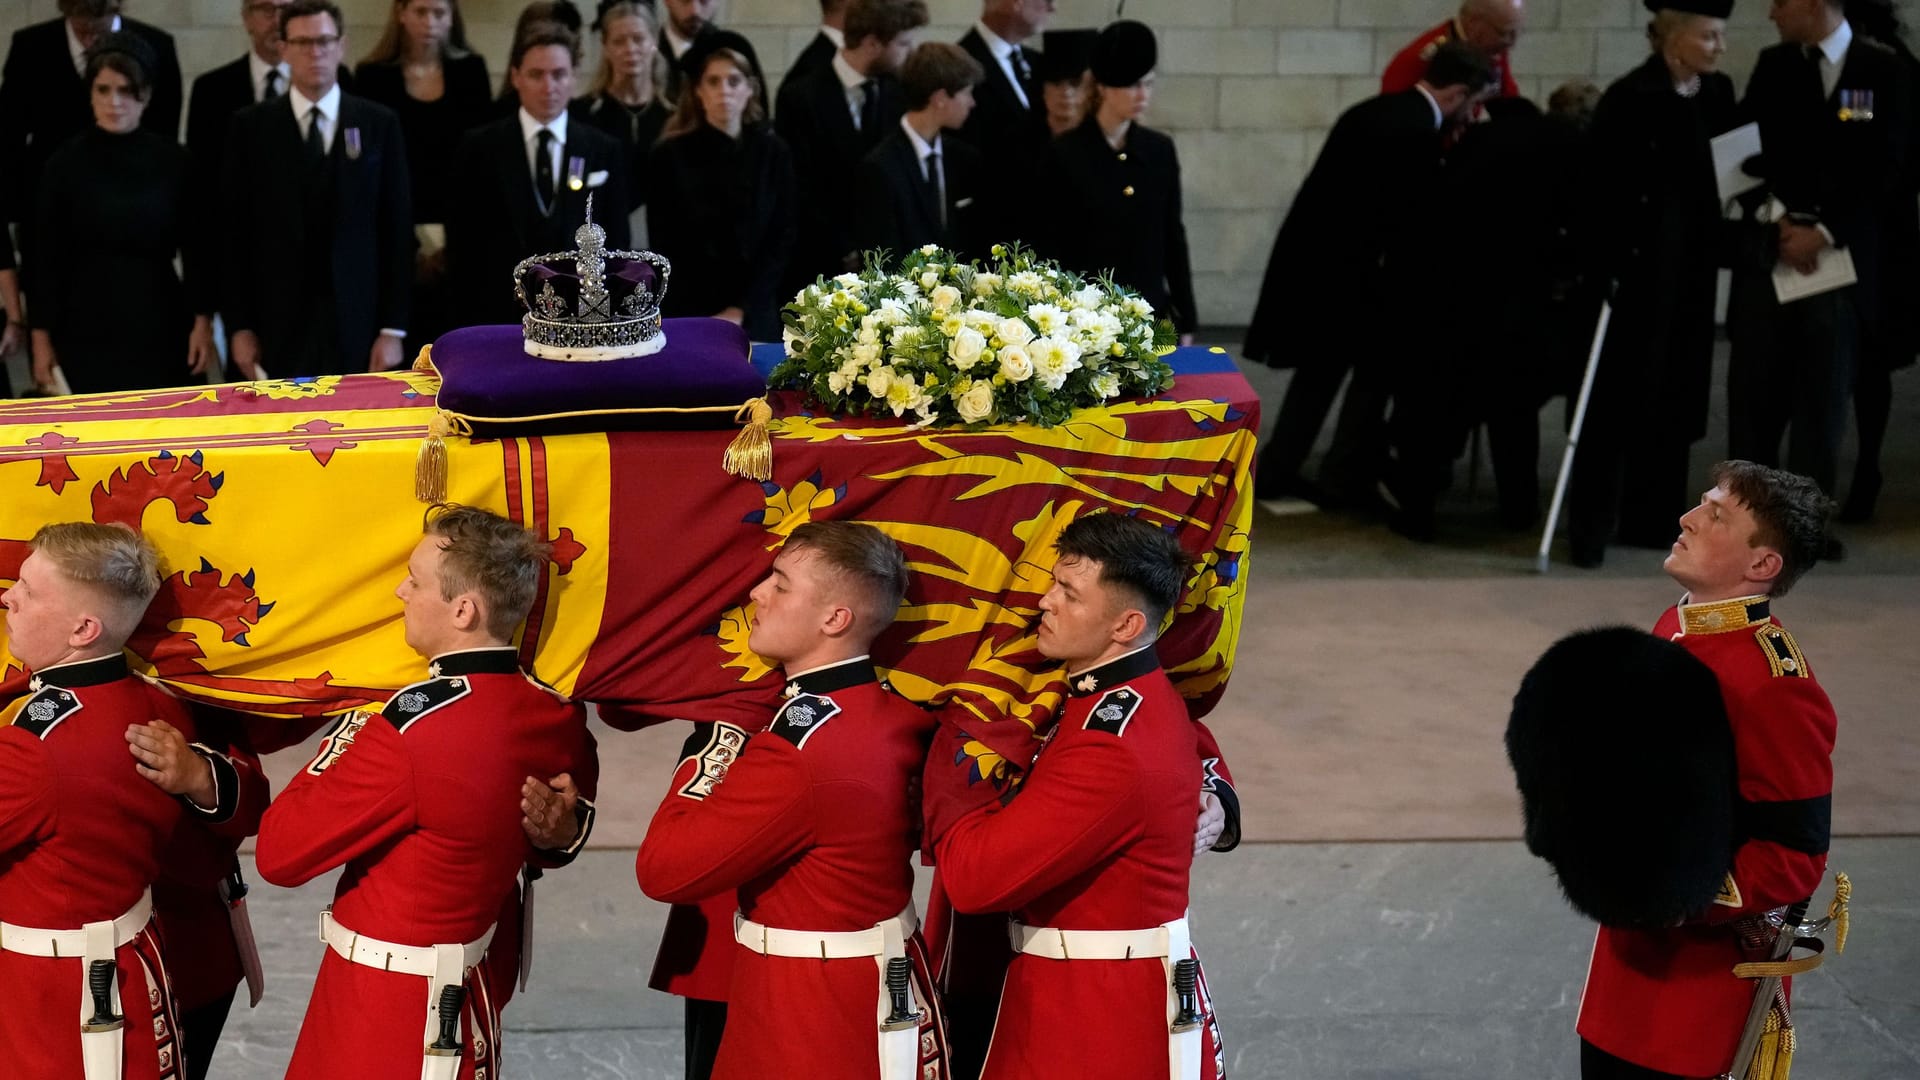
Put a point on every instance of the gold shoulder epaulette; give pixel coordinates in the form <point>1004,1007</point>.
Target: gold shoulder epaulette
<point>1782,652</point>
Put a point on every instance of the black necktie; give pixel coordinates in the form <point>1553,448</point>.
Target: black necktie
<point>543,171</point>
<point>1020,68</point>
<point>869,107</point>
<point>937,183</point>
<point>1814,57</point>
<point>316,142</point>
<point>272,89</point>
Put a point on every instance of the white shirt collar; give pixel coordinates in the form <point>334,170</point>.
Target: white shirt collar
<point>78,51</point>
<point>849,78</point>
<point>1439,117</point>
<point>835,35</point>
<point>1000,47</point>
<point>529,127</point>
<point>675,43</point>
<point>257,70</point>
<point>921,147</point>
<point>329,103</point>
<point>1834,47</point>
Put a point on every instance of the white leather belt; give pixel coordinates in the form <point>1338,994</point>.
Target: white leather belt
<point>72,944</point>
<point>1169,943</point>
<point>421,960</point>
<point>822,944</point>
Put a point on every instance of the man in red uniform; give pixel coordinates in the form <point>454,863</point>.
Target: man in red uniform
<point>80,836</point>
<point>812,823</point>
<point>421,802</point>
<point>1492,26</point>
<point>1665,1003</point>
<point>1092,851</point>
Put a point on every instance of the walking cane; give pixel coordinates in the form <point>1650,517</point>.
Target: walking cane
<point>1573,434</point>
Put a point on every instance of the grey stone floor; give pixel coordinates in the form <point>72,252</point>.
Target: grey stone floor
<point>1387,961</point>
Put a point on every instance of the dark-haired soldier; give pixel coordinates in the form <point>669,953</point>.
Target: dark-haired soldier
<point>919,186</point>
<point>1092,851</point>
<point>1665,1003</point>
<point>421,801</point>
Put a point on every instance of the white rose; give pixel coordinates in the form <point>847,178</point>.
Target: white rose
<point>985,284</point>
<point>944,298</point>
<point>966,348</point>
<point>879,381</point>
<point>848,280</point>
<point>976,403</point>
<point>866,352</point>
<point>929,249</point>
<point>983,321</point>
<point>1014,331</point>
<point>1015,364</point>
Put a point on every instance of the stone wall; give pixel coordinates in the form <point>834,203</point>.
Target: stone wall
<point>1248,86</point>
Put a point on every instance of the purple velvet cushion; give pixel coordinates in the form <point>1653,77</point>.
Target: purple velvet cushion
<point>487,377</point>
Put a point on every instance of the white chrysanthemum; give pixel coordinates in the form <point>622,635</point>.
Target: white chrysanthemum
<point>1106,384</point>
<point>1138,308</point>
<point>848,281</point>
<point>986,284</point>
<point>902,394</point>
<point>1053,360</point>
<point>1088,297</point>
<point>1046,318</point>
<point>1026,282</point>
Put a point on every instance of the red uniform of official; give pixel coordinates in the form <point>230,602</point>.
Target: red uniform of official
<point>421,802</point>
<point>1667,999</point>
<point>1409,65</point>
<point>1099,837</point>
<point>80,841</point>
<point>814,829</point>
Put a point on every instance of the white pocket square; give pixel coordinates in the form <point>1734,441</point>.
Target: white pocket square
<point>596,178</point>
<point>962,204</point>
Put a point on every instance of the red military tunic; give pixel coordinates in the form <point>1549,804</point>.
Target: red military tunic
<point>1667,999</point>
<point>1409,65</point>
<point>811,830</point>
<point>1099,836</point>
<point>81,836</point>
<point>421,803</point>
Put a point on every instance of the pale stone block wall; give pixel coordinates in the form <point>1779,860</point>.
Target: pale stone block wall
<point>1249,87</point>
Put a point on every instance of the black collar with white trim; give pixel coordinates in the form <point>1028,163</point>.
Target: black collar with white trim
<point>1114,672</point>
<point>497,660</point>
<point>78,673</point>
<point>857,671</point>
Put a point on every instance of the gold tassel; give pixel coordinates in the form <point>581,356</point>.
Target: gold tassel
<point>430,464</point>
<point>1842,896</point>
<point>751,452</point>
<point>423,361</point>
<point>1766,1055</point>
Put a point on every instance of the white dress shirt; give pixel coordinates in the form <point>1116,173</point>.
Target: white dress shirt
<point>530,136</point>
<point>258,68</point>
<point>1002,51</point>
<point>835,35</point>
<point>1833,56</point>
<point>78,51</point>
<point>1439,117</point>
<point>850,83</point>
<point>328,115</point>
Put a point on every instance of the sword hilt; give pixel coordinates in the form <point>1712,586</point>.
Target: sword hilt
<point>100,975</point>
<point>452,996</point>
<point>1186,989</point>
<point>902,1014</point>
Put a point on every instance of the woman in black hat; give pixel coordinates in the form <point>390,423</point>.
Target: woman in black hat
<point>1061,69</point>
<point>1117,184</point>
<point>113,210</point>
<point>1656,232</point>
<point>721,206</point>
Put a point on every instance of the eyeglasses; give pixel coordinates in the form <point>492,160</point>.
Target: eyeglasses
<point>313,44</point>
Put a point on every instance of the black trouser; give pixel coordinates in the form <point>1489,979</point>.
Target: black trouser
<point>1872,407</point>
<point>200,1032</point>
<point>970,1019</point>
<point>1597,1064</point>
<point>1303,412</point>
<point>1791,368</point>
<point>706,1021</point>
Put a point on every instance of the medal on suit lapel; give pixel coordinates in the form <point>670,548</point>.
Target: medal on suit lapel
<point>576,173</point>
<point>353,144</point>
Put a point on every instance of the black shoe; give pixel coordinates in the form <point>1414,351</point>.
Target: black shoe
<point>1588,558</point>
<point>1417,527</point>
<point>1293,487</point>
<point>1861,500</point>
<point>1833,550</point>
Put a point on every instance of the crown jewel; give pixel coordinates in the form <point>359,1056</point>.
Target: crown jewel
<point>591,303</point>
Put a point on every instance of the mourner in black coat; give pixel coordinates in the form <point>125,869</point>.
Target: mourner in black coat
<point>818,53</point>
<point>921,186</point>
<point>44,101</point>
<point>1836,130</point>
<point>723,211</point>
<point>1009,119</point>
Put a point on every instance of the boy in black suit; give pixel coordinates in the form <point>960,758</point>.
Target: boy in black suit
<point>918,187</point>
<point>526,182</point>
<point>832,117</point>
<point>318,219</point>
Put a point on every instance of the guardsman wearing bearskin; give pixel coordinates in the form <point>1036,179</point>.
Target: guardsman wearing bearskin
<point>81,835</point>
<point>812,822</point>
<point>1092,851</point>
<point>422,802</point>
<point>1666,1002</point>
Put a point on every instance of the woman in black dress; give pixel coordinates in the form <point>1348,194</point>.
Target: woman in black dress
<point>1657,232</point>
<point>722,201</point>
<point>423,71</point>
<point>113,210</point>
<point>1121,181</point>
<point>625,100</point>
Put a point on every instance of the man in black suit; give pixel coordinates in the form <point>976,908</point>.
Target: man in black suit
<point>687,20</point>
<point>1835,119</point>
<point>1347,248</point>
<point>318,219</point>
<point>218,94</point>
<point>819,52</point>
<point>44,99</point>
<point>526,180</point>
<point>832,117</point>
<point>1010,111</point>
<point>918,187</point>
